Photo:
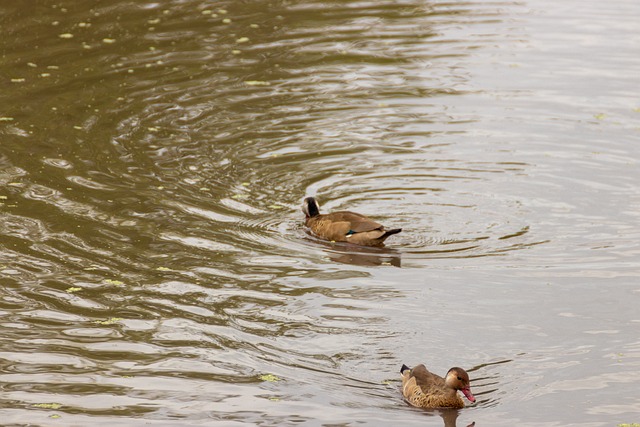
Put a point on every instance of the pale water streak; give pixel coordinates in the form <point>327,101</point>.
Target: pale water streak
<point>153,262</point>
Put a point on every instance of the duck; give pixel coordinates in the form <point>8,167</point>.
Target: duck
<point>424,389</point>
<point>344,226</point>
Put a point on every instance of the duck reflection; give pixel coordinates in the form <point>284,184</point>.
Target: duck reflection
<point>346,253</point>
<point>449,416</point>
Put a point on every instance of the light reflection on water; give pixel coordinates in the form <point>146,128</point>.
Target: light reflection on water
<point>153,261</point>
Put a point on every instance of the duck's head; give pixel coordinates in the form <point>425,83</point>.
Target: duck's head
<point>458,379</point>
<point>310,207</point>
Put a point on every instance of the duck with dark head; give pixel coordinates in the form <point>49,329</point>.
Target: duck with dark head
<point>344,226</point>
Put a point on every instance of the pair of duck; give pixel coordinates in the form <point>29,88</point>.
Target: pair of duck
<point>420,387</point>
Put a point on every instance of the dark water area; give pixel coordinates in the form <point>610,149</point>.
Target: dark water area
<point>154,266</point>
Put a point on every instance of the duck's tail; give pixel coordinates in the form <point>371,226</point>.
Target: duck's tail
<point>389,233</point>
<point>404,368</point>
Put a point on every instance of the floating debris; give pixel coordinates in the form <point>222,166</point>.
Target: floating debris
<point>73,289</point>
<point>108,41</point>
<point>18,80</point>
<point>109,321</point>
<point>242,40</point>
<point>65,36</point>
<point>47,405</point>
<point>226,21</point>
<point>257,83</point>
<point>269,378</point>
<point>114,282</point>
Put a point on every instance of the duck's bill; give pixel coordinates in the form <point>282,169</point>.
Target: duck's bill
<point>467,393</point>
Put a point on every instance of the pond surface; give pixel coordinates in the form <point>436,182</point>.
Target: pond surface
<point>153,262</point>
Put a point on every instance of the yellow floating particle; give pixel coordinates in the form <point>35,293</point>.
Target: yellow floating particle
<point>45,74</point>
<point>108,41</point>
<point>275,207</point>
<point>6,119</point>
<point>257,83</point>
<point>222,11</point>
<point>109,321</point>
<point>32,65</point>
<point>114,282</point>
<point>242,40</point>
<point>54,416</point>
<point>18,80</point>
<point>254,26</point>
<point>153,21</point>
<point>226,21</point>
<point>600,116</point>
<point>3,197</point>
<point>270,378</point>
<point>207,12</point>
<point>163,269</point>
<point>65,36</point>
<point>47,405</point>
<point>73,289</point>
<point>236,52</point>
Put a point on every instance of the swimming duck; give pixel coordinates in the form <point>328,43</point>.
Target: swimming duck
<point>424,389</point>
<point>344,226</point>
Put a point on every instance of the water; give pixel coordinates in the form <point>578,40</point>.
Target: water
<point>154,266</point>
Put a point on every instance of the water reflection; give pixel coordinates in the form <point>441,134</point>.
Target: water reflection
<point>358,255</point>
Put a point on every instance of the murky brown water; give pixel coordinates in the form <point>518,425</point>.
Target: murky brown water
<point>154,267</point>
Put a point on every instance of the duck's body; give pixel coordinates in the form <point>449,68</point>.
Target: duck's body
<point>424,389</point>
<point>344,226</point>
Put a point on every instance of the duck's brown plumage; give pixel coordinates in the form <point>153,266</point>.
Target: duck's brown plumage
<point>344,226</point>
<point>424,389</point>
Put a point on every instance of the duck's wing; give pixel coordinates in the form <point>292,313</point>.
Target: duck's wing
<point>426,380</point>
<point>357,223</point>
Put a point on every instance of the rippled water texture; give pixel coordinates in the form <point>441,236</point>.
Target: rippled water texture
<point>154,268</point>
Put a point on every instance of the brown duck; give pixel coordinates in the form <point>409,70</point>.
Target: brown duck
<point>344,226</point>
<point>423,389</point>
